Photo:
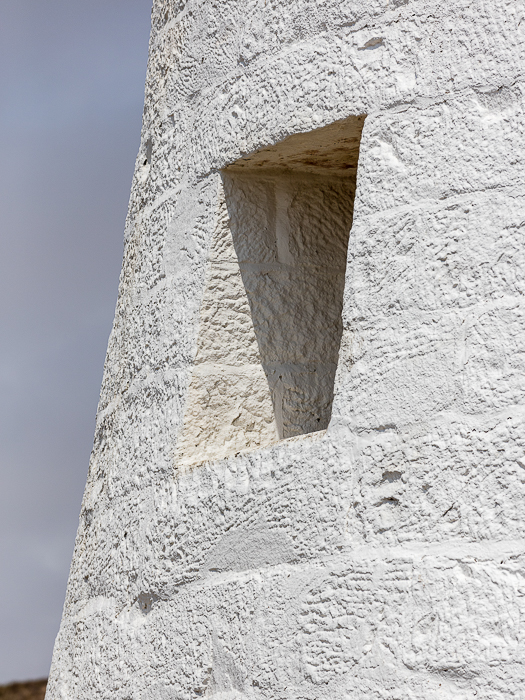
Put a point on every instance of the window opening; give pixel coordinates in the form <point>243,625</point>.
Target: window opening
<point>271,313</point>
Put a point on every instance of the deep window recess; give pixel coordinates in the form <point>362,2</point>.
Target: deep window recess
<point>274,295</point>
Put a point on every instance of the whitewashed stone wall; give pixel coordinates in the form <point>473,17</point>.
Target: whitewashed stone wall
<point>383,557</point>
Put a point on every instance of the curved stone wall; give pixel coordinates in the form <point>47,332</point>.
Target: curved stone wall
<point>382,557</point>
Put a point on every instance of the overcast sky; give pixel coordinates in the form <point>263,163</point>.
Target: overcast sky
<point>71,95</point>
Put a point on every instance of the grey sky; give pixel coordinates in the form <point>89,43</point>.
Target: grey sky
<point>71,92</point>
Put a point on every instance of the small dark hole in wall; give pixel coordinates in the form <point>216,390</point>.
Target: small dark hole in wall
<point>391,476</point>
<point>88,517</point>
<point>148,151</point>
<point>145,601</point>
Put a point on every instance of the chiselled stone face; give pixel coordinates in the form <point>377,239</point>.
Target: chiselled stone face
<point>307,476</point>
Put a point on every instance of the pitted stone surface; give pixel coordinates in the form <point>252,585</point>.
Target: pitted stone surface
<point>382,557</point>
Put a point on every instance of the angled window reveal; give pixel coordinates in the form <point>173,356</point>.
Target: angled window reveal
<point>271,313</point>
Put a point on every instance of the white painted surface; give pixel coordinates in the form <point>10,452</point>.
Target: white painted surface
<point>384,558</point>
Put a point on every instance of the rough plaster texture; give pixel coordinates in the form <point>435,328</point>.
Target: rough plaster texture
<point>382,557</point>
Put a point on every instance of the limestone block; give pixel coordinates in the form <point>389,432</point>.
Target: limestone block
<point>228,412</point>
<point>251,207</point>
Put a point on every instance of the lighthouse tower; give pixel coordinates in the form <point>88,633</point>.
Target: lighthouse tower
<point>308,472</point>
